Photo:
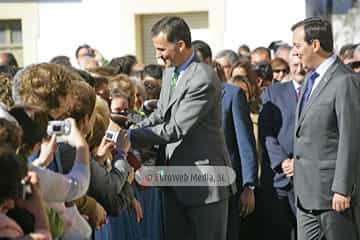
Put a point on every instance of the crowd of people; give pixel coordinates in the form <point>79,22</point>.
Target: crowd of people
<point>284,118</point>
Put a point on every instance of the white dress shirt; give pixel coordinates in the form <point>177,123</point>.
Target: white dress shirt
<point>321,70</point>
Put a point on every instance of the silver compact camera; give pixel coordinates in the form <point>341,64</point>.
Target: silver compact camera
<point>111,136</point>
<point>58,128</point>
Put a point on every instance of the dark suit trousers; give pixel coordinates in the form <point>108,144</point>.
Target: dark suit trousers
<point>317,224</point>
<point>207,221</point>
<point>233,218</point>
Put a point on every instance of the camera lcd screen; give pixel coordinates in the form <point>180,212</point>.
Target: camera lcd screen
<point>109,135</point>
<point>56,128</point>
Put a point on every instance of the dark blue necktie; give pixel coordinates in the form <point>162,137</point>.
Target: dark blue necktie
<point>308,89</point>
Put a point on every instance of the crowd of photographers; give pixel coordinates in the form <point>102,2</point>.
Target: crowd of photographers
<point>67,169</point>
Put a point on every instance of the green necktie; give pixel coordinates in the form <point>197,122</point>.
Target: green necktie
<point>173,80</point>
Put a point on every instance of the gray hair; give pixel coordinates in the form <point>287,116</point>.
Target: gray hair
<point>229,54</point>
<point>356,54</point>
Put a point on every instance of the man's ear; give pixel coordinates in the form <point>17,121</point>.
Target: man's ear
<point>180,45</point>
<point>316,45</point>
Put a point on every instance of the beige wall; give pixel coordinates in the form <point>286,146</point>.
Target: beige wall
<point>29,15</point>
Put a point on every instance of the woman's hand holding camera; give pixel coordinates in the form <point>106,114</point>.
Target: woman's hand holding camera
<point>74,138</point>
<point>77,140</point>
<point>123,142</point>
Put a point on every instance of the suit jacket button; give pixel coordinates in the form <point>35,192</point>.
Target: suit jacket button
<point>297,157</point>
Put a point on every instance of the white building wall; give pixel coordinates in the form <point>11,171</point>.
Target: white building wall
<point>109,25</point>
<point>258,22</point>
<point>66,25</point>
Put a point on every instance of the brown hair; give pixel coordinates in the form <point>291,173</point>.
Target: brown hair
<point>278,62</point>
<point>219,71</point>
<point>101,122</point>
<point>250,75</point>
<point>33,121</point>
<point>102,72</point>
<point>152,89</point>
<point>123,83</point>
<point>5,90</point>
<point>10,133</point>
<point>43,84</point>
<point>83,100</point>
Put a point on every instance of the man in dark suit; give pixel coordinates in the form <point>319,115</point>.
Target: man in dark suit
<point>240,143</point>
<point>276,130</point>
<point>188,121</point>
<point>326,149</point>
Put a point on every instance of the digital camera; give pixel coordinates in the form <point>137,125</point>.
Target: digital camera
<point>111,136</point>
<point>58,128</point>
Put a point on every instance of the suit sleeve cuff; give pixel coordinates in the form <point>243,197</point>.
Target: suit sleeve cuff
<point>250,185</point>
<point>343,189</point>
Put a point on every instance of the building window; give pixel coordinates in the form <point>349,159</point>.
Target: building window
<point>11,38</point>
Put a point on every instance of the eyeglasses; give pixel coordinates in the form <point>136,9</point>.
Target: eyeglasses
<point>284,70</point>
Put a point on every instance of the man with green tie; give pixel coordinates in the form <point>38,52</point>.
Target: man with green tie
<point>188,122</point>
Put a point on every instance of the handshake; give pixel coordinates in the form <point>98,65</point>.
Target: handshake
<point>126,120</point>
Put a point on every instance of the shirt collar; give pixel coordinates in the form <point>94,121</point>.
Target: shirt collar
<point>296,85</point>
<point>324,66</point>
<point>183,66</point>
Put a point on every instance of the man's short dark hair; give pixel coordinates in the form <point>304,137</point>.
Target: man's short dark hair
<point>230,54</point>
<point>264,71</point>
<point>317,28</point>
<point>203,48</point>
<point>62,60</point>
<point>9,70</point>
<point>175,29</point>
<point>347,50</point>
<point>262,50</point>
<point>245,47</point>
<point>122,64</point>
<point>152,89</point>
<point>11,60</point>
<point>81,47</point>
<point>86,77</point>
<point>12,171</point>
<point>153,70</point>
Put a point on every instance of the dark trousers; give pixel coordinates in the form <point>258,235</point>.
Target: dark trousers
<point>233,218</point>
<point>329,224</point>
<point>276,214</point>
<point>207,221</point>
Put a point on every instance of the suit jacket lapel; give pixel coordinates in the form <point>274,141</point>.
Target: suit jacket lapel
<point>223,102</point>
<point>317,90</point>
<point>166,86</point>
<point>290,95</point>
<point>180,85</point>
